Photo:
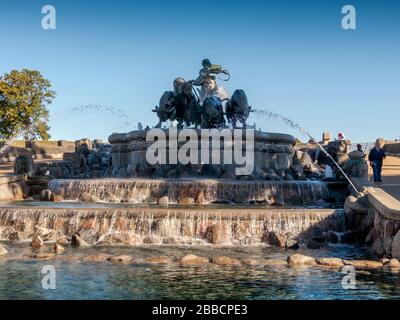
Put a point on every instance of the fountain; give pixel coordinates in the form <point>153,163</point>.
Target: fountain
<point>199,192</point>
<point>208,183</point>
<point>134,180</point>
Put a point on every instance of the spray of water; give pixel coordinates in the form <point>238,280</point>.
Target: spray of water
<point>92,108</point>
<point>107,110</point>
<point>296,126</point>
<point>7,144</point>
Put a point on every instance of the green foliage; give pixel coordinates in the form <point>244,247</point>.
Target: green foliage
<point>24,96</point>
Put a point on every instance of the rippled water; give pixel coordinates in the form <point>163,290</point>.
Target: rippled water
<point>21,279</point>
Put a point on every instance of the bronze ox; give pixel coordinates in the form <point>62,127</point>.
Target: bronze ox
<point>237,108</point>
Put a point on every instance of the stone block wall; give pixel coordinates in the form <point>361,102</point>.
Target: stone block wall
<point>384,235</point>
<point>375,216</point>
<point>392,148</point>
<point>37,150</point>
<point>13,187</point>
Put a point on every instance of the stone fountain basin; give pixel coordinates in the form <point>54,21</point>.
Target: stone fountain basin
<point>271,151</point>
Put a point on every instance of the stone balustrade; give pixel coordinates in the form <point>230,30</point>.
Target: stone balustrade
<point>385,234</point>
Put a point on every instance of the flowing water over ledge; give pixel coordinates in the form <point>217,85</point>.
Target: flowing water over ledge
<point>75,279</point>
<point>243,228</point>
<point>133,225</point>
<point>148,191</point>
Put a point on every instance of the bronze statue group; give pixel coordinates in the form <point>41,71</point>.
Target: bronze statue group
<point>204,107</point>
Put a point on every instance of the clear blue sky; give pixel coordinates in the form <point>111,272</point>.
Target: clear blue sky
<point>291,57</point>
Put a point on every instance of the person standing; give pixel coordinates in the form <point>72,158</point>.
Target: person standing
<point>376,157</point>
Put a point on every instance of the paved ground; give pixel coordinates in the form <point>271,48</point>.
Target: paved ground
<point>391,177</point>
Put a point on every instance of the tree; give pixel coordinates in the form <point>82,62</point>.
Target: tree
<point>24,97</point>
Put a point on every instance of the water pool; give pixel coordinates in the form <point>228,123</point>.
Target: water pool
<point>21,278</point>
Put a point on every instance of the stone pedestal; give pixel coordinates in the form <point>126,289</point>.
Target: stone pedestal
<point>272,151</point>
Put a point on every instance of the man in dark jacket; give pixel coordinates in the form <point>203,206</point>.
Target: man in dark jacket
<point>376,157</point>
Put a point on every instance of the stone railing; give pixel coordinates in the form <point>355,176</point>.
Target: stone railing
<point>392,149</point>
<point>375,216</point>
<point>385,233</point>
<point>37,150</point>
